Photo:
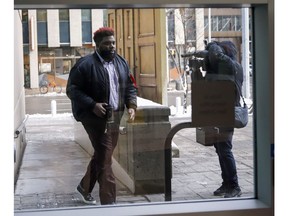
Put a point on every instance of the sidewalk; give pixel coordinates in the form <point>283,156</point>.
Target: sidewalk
<point>53,164</point>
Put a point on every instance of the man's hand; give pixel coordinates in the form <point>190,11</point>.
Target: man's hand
<point>99,109</point>
<point>131,113</point>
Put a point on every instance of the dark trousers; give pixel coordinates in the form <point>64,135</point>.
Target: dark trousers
<point>100,166</point>
<point>226,159</point>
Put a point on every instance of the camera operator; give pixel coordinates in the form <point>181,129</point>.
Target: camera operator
<point>221,64</point>
<point>100,86</point>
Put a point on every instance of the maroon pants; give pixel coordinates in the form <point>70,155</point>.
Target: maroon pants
<point>100,166</point>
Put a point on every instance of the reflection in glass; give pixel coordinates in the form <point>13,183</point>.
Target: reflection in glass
<point>54,161</point>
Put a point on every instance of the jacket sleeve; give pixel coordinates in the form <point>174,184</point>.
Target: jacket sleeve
<point>75,89</point>
<point>131,91</point>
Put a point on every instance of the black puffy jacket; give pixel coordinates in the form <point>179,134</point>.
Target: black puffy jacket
<point>223,66</point>
<point>88,83</point>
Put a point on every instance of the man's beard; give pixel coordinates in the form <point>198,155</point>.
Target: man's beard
<point>107,55</point>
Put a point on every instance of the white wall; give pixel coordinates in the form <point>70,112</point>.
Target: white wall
<point>19,91</point>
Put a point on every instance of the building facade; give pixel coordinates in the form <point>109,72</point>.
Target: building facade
<point>190,26</point>
<point>54,39</point>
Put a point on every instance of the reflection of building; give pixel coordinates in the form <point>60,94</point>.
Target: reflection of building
<point>54,39</point>
<point>188,28</point>
<point>225,24</point>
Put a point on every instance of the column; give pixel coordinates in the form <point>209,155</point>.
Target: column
<point>97,21</point>
<point>75,27</point>
<point>53,28</point>
<point>199,19</point>
<point>33,49</point>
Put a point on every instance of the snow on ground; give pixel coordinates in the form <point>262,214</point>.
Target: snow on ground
<point>59,115</point>
<point>48,94</point>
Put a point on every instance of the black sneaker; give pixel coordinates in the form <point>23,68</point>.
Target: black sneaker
<point>233,192</point>
<point>87,198</point>
<point>221,191</point>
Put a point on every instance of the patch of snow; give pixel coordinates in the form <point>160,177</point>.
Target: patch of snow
<point>59,115</point>
<point>48,94</point>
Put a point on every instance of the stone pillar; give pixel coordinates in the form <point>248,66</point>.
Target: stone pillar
<point>141,151</point>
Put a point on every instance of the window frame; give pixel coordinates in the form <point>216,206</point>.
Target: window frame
<point>263,84</point>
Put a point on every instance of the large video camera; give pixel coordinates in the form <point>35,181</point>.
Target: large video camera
<point>197,60</point>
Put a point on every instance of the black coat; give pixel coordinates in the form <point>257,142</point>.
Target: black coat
<point>88,84</point>
<point>221,66</point>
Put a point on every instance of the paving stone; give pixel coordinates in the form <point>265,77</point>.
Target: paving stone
<point>196,173</point>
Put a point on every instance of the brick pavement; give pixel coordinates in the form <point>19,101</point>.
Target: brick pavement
<point>53,163</point>
<point>196,173</point>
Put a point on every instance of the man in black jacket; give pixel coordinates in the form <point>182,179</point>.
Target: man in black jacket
<point>100,86</point>
<point>222,65</point>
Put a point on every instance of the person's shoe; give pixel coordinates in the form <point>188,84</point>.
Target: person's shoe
<point>233,192</point>
<point>221,191</point>
<point>87,198</point>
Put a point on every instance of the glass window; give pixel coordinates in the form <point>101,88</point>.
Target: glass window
<point>215,23</point>
<point>192,164</point>
<point>25,26</point>
<point>63,14</point>
<point>42,35</point>
<point>239,23</point>
<point>42,15</point>
<point>86,14</point>
<point>64,26</point>
<point>86,26</point>
<point>224,23</point>
<point>197,167</point>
